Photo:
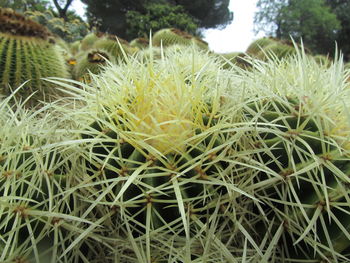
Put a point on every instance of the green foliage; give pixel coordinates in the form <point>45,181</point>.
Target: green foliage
<point>209,14</point>
<point>342,10</point>
<point>72,29</point>
<point>124,18</point>
<point>157,16</point>
<point>313,21</point>
<point>22,6</point>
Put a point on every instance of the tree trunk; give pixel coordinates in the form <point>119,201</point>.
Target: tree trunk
<point>62,12</point>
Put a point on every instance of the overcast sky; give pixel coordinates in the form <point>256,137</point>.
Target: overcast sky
<point>235,37</point>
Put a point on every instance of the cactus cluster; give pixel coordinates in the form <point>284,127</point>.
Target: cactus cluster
<point>166,155</point>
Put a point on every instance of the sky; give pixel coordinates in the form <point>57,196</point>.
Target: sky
<point>235,37</point>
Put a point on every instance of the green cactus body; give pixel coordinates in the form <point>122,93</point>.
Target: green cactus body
<point>235,58</point>
<point>323,60</point>
<point>28,55</point>
<point>200,43</point>
<point>171,36</point>
<point>140,43</point>
<point>74,47</point>
<point>88,41</point>
<point>69,30</point>
<point>276,50</point>
<point>32,180</point>
<point>114,47</point>
<point>256,46</point>
<point>91,61</point>
<point>157,154</point>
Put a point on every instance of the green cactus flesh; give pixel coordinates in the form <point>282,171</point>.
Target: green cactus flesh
<point>308,177</point>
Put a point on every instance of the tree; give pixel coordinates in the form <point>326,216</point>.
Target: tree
<point>111,15</point>
<point>342,10</point>
<point>209,13</point>
<point>156,17</point>
<point>62,9</point>
<point>312,21</point>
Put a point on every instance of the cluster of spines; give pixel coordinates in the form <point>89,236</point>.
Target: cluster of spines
<point>307,173</point>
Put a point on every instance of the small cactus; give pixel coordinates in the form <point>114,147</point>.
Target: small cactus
<point>91,61</point>
<point>256,46</point>
<point>172,36</point>
<point>140,43</point>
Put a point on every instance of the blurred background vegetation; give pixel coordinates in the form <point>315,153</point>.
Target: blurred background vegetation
<point>322,24</point>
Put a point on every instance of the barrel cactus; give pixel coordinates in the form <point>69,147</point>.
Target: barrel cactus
<point>140,43</point>
<point>91,61</point>
<point>34,208</point>
<point>302,143</point>
<point>256,46</point>
<point>88,41</point>
<point>116,46</point>
<point>173,36</point>
<point>27,52</point>
<point>162,167</point>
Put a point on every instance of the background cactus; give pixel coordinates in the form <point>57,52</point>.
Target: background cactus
<point>256,46</point>
<point>139,43</point>
<point>171,36</point>
<point>91,61</point>
<point>117,47</point>
<point>88,41</point>
<point>27,53</point>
